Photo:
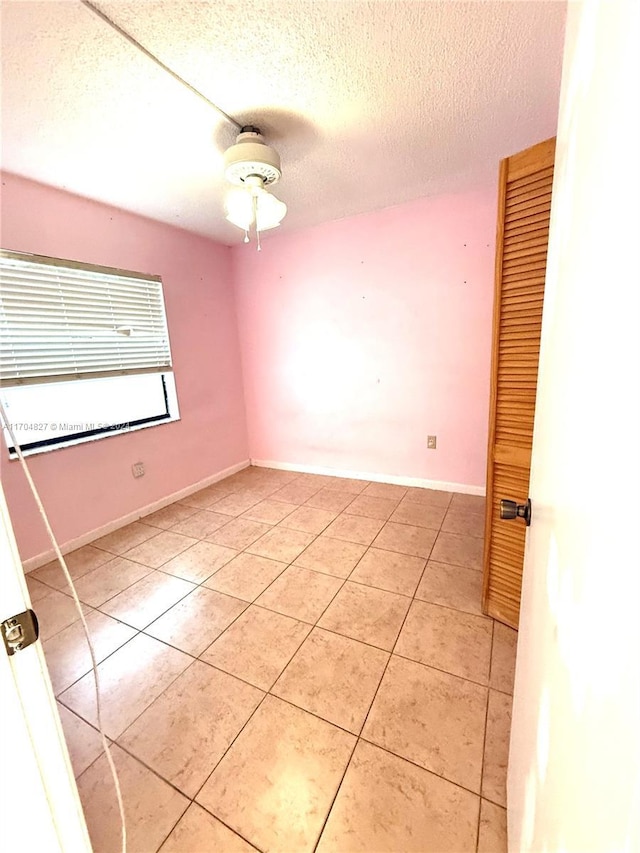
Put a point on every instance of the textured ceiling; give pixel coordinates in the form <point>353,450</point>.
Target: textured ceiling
<point>369,103</point>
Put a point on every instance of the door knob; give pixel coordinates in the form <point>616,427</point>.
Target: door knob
<point>510,509</point>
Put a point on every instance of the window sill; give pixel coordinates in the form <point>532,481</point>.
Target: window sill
<point>73,441</point>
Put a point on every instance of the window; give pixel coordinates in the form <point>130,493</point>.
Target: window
<point>84,351</point>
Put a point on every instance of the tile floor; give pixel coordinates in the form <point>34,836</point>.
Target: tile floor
<point>288,662</point>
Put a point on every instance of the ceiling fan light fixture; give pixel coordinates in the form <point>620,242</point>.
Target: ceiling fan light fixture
<point>251,165</point>
<point>255,208</point>
<point>251,156</point>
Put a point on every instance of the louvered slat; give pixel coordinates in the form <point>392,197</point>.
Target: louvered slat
<point>519,345</point>
<point>526,247</point>
<point>521,256</point>
<point>520,277</point>
<point>537,262</point>
<point>533,176</point>
<point>516,220</point>
<point>517,188</point>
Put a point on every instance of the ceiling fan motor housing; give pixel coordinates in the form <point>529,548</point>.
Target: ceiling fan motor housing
<point>251,156</point>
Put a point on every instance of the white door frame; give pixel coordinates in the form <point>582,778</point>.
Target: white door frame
<point>574,763</point>
<point>39,800</point>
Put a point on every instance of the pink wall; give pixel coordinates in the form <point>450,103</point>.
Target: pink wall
<point>361,337</point>
<point>358,338</point>
<point>89,485</point>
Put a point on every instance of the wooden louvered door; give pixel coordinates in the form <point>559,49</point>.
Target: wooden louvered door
<point>524,204</point>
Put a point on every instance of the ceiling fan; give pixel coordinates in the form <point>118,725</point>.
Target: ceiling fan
<point>250,165</point>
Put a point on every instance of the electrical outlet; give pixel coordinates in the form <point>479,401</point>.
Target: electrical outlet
<point>137,469</point>
<point>431,442</point>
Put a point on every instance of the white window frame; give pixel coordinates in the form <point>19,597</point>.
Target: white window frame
<point>94,431</point>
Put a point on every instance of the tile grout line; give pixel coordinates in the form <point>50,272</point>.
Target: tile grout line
<point>138,632</point>
<point>201,585</point>
<point>316,623</point>
<point>335,796</point>
<point>428,770</point>
<point>359,737</point>
<point>115,740</point>
<point>224,754</point>
<point>344,580</point>
<point>266,693</point>
<point>366,717</point>
<point>145,577</point>
<point>479,795</point>
<point>203,582</point>
<point>484,739</point>
<point>313,625</point>
<point>191,800</point>
<point>269,693</point>
<point>143,630</point>
<point>96,609</point>
<point>138,760</point>
<point>249,604</point>
<point>152,637</point>
<point>243,550</point>
<point>181,502</point>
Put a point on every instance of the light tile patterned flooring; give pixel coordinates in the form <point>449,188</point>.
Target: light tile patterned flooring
<point>288,662</point>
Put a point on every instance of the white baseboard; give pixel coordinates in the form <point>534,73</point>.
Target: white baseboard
<point>440,485</point>
<point>86,538</point>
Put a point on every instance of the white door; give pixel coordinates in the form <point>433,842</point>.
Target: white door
<point>574,766</point>
<point>39,801</point>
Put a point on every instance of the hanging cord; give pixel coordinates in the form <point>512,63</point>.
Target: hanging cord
<point>56,548</point>
<point>157,61</point>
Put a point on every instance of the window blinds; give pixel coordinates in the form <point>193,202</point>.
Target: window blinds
<point>62,320</point>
